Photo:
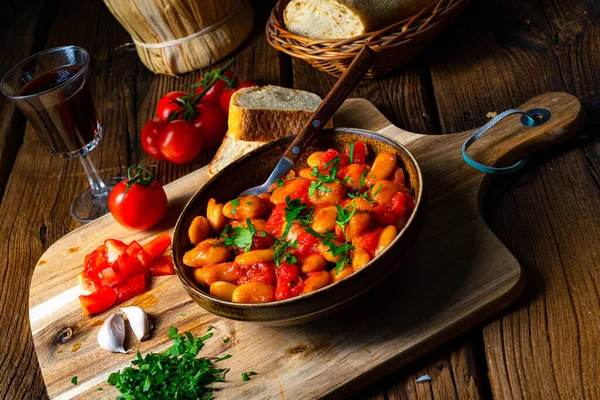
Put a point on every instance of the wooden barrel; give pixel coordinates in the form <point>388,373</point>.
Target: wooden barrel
<point>177,36</point>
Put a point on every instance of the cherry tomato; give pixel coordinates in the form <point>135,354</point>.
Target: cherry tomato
<point>212,124</point>
<point>214,93</point>
<point>225,99</point>
<point>100,300</point>
<point>359,153</point>
<point>179,141</point>
<point>139,202</point>
<point>246,84</point>
<point>158,245</point>
<point>150,138</point>
<point>168,104</point>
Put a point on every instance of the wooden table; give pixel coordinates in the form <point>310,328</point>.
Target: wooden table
<point>498,54</point>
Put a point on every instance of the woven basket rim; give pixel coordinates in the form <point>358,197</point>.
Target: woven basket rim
<point>393,30</point>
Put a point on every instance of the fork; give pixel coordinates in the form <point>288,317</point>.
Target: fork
<point>336,96</point>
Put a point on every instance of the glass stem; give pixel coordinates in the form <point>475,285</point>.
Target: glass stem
<point>96,183</point>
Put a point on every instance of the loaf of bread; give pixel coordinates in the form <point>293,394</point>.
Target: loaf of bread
<point>338,19</point>
<point>259,115</point>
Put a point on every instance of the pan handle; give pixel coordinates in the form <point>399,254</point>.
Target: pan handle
<point>543,121</point>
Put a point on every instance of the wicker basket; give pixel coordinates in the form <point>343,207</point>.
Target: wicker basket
<point>396,44</point>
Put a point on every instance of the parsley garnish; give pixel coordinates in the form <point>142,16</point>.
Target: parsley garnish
<point>208,329</point>
<point>176,373</point>
<point>225,357</point>
<point>351,155</point>
<point>239,237</point>
<point>250,226</point>
<point>280,182</point>
<point>362,178</point>
<point>74,380</point>
<point>283,251</point>
<point>378,190</point>
<point>344,215</point>
<point>246,375</point>
<point>293,209</point>
<point>98,389</point>
<point>226,340</point>
<point>234,204</point>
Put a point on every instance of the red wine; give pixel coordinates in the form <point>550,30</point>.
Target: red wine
<point>62,111</point>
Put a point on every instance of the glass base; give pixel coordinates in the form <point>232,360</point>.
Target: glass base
<point>88,207</point>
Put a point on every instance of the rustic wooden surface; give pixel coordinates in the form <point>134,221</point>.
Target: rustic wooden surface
<point>497,55</point>
<point>477,277</point>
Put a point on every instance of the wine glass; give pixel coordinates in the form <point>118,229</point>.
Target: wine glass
<point>51,89</point>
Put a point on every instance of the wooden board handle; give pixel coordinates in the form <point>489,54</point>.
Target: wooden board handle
<point>510,141</point>
<point>334,99</point>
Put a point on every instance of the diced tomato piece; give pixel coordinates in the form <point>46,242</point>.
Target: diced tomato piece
<point>132,287</point>
<point>163,265</point>
<point>307,243</point>
<point>89,285</point>
<point>158,245</point>
<point>137,252</point>
<point>368,241</point>
<point>328,156</point>
<point>383,215</point>
<point>96,261</point>
<point>99,301</point>
<point>130,266</point>
<point>276,220</point>
<point>359,153</point>
<point>289,283</point>
<point>110,276</point>
<point>261,272</point>
<point>401,204</point>
<point>114,248</point>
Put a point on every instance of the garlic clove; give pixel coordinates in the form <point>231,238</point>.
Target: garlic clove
<point>138,320</point>
<point>112,334</point>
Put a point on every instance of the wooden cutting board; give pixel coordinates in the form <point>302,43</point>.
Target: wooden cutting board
<point>458,275</point>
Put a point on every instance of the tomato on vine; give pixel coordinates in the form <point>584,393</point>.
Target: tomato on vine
<point>139,202</point>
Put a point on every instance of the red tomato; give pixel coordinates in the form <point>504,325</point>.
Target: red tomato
<point>179,141</point>
<point>307,243</point>
<point>137,252</point>
<point>99,301</point>
<point>212,124</point>
<point>140,207</point>
<point>130,266</point>
<point>359,153</point>
<point>158,245</point>
<point>225,99</point>
<point>276,220</point>
<point>95,262</point>
<point>150,138</point>
<point>288,282</point>
<point>89,285</point>
<point>261,272</point>
<point>214,93</point>
<point>246,84</point>
<point>169,103</point>
<point>114,248</point>
<point>132,287</point>
<point>368,241</point>
<point>110,276</point>
<point>328,156</point>
<point>383,215</point>
<point>163,265</point>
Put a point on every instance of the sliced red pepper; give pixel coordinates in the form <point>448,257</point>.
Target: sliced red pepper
<point>158,245</point>
<point>132,287</point>
<point>130,266</point>
<point>99,301</point>
<point>89,285</point>
<point>359,153</point>
<point>137,252</point>
<point>163,265</point>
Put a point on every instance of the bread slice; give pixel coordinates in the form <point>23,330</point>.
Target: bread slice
<point>338,19</point>
<point>259,115</point>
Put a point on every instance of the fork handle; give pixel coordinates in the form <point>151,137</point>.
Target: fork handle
<point>340,91</point>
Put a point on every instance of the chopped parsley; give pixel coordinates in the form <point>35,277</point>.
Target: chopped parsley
<point>280,182</point>
<point>74,380</point>
<point>225,357</point>
<point>283,251</point>
<point>246,375</point>
<point>176,373</point>
<point>345,214</point>
<point>239,237</point>
<point>208,329</point>
<point>293,208</point>
<point>234,203</point>
<point>333,166</point>
<point>351,152</point>
<point>226,340</point>
<point>362,178</point>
